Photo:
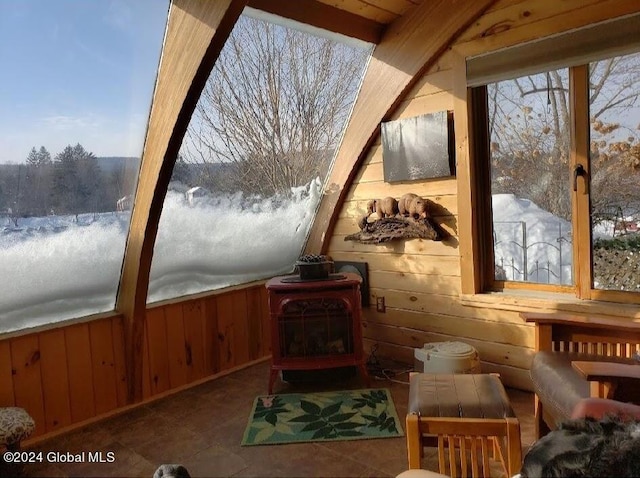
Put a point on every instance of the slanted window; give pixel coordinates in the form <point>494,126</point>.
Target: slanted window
<point>558,167</point>
<point>75,90</point>
<point>249,175</point>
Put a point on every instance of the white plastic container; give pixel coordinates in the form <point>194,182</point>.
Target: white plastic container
<point>447,357</point>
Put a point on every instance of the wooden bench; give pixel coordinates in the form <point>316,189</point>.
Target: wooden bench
<point>578,357</point>
<point>468,415</point>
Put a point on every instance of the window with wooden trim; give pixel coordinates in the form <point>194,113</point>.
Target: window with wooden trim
<point>248,178</point>
<point>558,168</point>
<point>76,86</point>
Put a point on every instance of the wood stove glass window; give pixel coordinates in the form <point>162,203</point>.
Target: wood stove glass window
<point>316,327</point>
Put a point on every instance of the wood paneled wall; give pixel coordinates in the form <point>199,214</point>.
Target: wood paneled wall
<point>67,375</point>
<point>419,279</point>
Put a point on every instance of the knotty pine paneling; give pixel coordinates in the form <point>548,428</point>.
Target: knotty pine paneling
<point>511,376</point>
<point>380,189</point>
<point>6,377</point>
<point>81,392</point>
<point>27,379</point>
<point>463,327</point>
<point>240,318</point>
<point>385,13</point>
<point>442,304</point>
<point>103,365</point>
<point>266,321</point>
<point>400,280</point>
<point>515,356</point>
<point>255,322</point>
<point>117,333</point>
<point>441,101</point>
<point>233,330</point>
<point>339,246</point>
<point>146,365</point>
<point>55,379</point>
<point>419,279</point>
<point>158,356</point>
<point>176,350</point>
<point>194,339</point>
<point>534,19</point>
<point>211,336</point>
<point>445,265</point>
<point>226,331</point>
<point>69,374</point>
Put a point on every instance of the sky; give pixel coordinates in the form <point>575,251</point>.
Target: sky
<point>77,71</point>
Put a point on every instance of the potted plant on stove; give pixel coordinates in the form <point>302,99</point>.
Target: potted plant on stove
<point>314,266</point>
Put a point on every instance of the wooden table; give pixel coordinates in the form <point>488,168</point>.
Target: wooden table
<point>604,376</point>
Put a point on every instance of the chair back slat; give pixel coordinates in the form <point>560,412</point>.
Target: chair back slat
<point>468,456</point>
<point>463,456</point>
<point>451,441</point>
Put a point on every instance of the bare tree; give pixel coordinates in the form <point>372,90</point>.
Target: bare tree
<point>529,125</point>
<point>530,139</point>
<point>273,109</point>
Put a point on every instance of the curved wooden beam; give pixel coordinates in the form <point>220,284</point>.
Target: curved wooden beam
<point>408,48</point>
<point>196,32</point>
<point>324,16</point>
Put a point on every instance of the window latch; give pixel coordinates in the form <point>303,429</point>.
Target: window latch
<point>578,171</point>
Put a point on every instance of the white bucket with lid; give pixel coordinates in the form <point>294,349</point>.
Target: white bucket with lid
<point>447,357</point>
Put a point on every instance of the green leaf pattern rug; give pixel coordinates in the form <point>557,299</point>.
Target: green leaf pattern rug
<point>327,416</point>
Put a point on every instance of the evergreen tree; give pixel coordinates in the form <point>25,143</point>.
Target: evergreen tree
<point>66,184</point>
<point>37,185</point>
<point>32,158</point>
<point>90,180</point>
<point>182,172</point>
<point>44,158</point>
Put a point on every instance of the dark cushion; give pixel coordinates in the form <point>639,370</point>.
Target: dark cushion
<point>558,385</point>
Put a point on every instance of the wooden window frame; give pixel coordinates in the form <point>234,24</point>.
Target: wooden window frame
<point>480,277</point>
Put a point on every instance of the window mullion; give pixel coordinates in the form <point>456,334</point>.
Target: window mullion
<point>579,100</point>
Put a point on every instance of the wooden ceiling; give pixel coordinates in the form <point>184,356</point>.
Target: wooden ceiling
<point>362,19</point>
<point>380,11</point>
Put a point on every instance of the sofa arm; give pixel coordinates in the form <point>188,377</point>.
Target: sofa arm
<point>599,408</point>
<point>604,376</point>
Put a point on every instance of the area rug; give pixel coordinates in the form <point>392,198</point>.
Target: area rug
<point>326,416</point>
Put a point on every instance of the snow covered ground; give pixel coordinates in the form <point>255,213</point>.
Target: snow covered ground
<point>54,268</point>
<point>526,234</point>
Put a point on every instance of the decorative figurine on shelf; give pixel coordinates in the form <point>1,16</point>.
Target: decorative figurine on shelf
<point>406,218</point>
<point>387,207</point>
<point>414,206</point>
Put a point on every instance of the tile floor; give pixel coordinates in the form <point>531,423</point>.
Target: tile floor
<point>202,427</point>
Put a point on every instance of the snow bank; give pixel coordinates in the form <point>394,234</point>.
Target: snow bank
<point>59,267</point>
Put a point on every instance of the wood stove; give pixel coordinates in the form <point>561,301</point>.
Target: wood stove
<point>315,324</point>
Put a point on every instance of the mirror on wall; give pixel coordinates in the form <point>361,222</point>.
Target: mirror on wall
<point>421,147</point>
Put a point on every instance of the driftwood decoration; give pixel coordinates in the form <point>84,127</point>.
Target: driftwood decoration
<point>396,228</point>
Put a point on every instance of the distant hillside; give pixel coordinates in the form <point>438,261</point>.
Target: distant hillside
<point>117,163</point>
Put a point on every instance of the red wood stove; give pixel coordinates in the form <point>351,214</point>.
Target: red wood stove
<point>315,324</point>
